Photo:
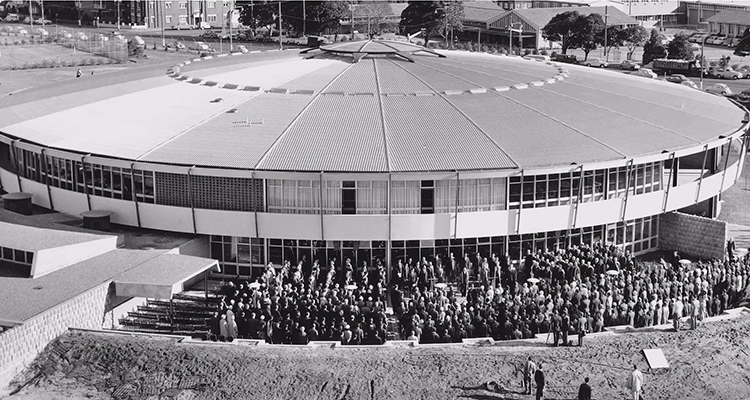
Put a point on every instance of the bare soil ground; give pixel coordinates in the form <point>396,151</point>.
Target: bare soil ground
<point>708,363</point>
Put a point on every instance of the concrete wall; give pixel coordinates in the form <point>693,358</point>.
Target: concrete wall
<point>19,345</point>
<point>197,247</point>
<point>692,235</point>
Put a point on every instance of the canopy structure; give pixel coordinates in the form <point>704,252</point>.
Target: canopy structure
<point>163,276</point>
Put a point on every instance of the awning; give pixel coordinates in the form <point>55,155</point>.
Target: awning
<point>162,276</point>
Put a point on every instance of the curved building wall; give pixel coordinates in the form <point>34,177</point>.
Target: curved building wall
<point>378,208</point>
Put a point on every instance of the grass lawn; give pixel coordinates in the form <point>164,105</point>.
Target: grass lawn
<point>735,207</point>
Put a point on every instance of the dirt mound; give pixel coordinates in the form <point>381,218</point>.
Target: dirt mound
<point>711,362</point>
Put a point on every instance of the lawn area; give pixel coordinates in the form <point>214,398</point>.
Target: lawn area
<point>735,207</point>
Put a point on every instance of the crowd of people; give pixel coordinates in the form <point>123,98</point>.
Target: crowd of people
<point>560,292</point>
<point>297,305</point>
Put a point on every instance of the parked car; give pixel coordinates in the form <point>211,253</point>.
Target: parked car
<point>631,65</point>
<point>82,36</point>
<point>745,71</point>
<point>645,72</point>
<point>204,25</point>
<point>697,37</point>
<point>42,21</point>
<point>689,84</point>
<point>41,32</point>
<point>715,40</point>
<point>183,27</point>
<point>566,58</point>
<point>240,48</point>
<point>677,78</point>
<point>27,20</point>
<point>594,62</point>
<point>11,18</point>
<point>695,47</point>
<point>209,35</point>
<point>199,46</point>
<point>22,31</point>
<point>728,73</point>
<point>719,88</point>
<point>735,42</point>
<point>727,41</point>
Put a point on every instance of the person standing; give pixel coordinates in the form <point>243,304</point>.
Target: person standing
<point>529,370</point>
<point>78,73</point>
<point>539,380</point>
<point>636,383</point>
<point>584,391</point>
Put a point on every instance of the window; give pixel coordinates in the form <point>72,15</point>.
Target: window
<point>405,197</point>
<point>211,4</point>
<point>168,19</point>
<point>349,197</point>
<point>427,204</point>
<point>182,5</point>
<point>211,17</point>
<point>168,6</point>
<point>293,196</point>
<point>183,19</point>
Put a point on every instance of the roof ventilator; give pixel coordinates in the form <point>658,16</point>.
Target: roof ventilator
<point>231,111</point>
<point>277,90</point>
<point>477,90</point>
<point>216,100</point>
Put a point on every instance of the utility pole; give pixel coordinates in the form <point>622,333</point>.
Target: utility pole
<point>281,44</point>
<point>42,14</point>
<point>304,18</point>
<point>231,16</point>
<point>163,22</point>
<point>606,53</point>
<point>351,8</point>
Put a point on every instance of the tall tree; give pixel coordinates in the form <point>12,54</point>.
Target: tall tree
<point>259,14</point>
<point>561,28</point>
<point>589,33</point>
<point>653,48</point>
<point>428,16</point>
<point>373,18</point>
<point>454,17</point>
<point>679,48</point>
<point>633,37</point>
<point>615,37</point>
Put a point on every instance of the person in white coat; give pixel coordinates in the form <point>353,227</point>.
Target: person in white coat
<point>635,383</point>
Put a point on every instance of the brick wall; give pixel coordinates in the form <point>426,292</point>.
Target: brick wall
<point>692,235</point>
<point>19,345</point>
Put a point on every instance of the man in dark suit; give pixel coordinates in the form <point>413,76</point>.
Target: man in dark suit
<point>584,391</point>
<point>539,380</point>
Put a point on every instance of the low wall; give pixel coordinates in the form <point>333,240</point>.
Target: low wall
<point>692,235</point>
<point>19,345</point>
<point>198,247</point>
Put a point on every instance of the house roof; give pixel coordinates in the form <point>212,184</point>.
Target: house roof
<point>32,239</point>
<point>736,17</point>
<point>481,11</point>
<point>382,113</point>
<point>541,16</point>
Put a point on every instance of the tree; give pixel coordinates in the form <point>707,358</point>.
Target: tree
<point>589,33</point>
<point>373,18</point>
<point>259,14</point>
<point>318,16</point>
<point>653,48</point>
<point>560,29</point>
<point>615,38</point>
<point>428,16</point>
<point>633,37</point>
<point>454,17</point>
<point>679,48</point>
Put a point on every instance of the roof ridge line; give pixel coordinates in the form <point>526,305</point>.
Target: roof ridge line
<point>382,114</point>
<point>299,115</point>
<point>559,122</point>
<point>471,121</point>
<point>624,115</point>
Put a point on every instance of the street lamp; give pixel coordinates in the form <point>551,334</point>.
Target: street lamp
<point>606,53</point>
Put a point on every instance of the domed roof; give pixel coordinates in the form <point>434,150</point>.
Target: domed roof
<point>396,108</point>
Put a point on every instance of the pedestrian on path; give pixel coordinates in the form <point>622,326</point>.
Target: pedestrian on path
<point>78,73</point>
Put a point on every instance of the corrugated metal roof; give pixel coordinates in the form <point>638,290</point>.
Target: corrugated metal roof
<point>426,133</point>
<point>336,133</point>
<point>550,144</point>
<point>393,79</point>
<point>239,139</point>
<point>438,80</point>
<point>490,78</point>
<point>359,78</point>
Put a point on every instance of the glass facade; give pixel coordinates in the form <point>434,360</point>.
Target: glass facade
<point>242,256</point>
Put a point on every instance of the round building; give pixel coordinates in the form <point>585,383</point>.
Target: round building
<point>375,150</point>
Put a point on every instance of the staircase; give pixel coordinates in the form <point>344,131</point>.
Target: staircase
<point>185,315</point>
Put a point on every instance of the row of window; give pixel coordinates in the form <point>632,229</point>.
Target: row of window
<point>94,179</point>
<point>182,5</point>
<point>16,256</point>
<point>337,197</point>
<point>246,256</point>
<point>551,190</point>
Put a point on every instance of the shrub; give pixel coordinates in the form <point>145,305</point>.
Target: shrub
<point>544,52</point>
<point>23,41</point>
<point>503,51</point>
<point>526,52</point>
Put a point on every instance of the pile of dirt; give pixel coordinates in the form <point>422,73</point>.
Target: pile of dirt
<point>711,362</point>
